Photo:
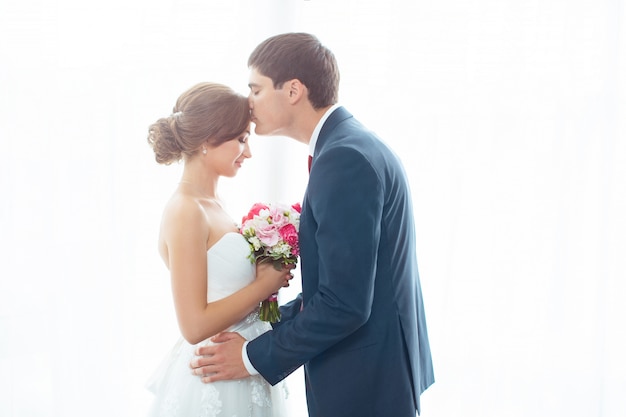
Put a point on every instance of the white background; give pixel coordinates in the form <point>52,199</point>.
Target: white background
<point>508,115</point>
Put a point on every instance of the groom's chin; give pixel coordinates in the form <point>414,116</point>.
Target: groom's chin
<point>259,131</point>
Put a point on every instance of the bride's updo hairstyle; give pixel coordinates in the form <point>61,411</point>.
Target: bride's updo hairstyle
<point>206,113</point>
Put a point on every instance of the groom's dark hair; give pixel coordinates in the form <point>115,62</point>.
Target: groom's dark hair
<point>299,56</point>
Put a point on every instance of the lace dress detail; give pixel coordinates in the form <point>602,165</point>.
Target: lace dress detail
<point>178,393</point>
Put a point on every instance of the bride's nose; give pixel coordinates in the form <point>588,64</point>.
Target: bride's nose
<point>247,153</point>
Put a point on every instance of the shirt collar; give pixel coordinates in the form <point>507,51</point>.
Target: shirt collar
<point>318,128</point>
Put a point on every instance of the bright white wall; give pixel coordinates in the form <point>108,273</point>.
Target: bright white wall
<point>508,115</point>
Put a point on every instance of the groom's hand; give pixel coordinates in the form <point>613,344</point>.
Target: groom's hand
<point>222,360</point>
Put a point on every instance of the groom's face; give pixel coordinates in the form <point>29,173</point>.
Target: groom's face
<point>268,106</point>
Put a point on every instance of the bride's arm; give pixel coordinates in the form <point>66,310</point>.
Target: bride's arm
<point>185,231</point>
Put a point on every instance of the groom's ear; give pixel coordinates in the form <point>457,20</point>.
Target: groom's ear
<point>296,90</point>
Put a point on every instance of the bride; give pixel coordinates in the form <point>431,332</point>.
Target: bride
<point>214,284</point>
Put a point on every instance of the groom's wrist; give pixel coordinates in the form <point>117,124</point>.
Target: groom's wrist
<point>246,361</point>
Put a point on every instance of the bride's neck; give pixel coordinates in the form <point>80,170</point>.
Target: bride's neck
<point>202,189</point>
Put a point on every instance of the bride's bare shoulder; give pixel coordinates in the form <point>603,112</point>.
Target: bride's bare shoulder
<point>183,216</point>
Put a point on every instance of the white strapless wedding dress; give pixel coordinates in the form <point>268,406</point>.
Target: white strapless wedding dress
<point>178,393</point>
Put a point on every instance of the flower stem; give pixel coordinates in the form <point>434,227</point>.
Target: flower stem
<point>269,309</point>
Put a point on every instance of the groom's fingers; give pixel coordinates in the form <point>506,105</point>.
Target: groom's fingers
<point>212,369</point>
<point>205,366</point>
<point>200,364</point>
<point>212,356</point>
<point>205,351</point>
<point>221,361</point>
<point>215,376</point>
<point>221,373</point>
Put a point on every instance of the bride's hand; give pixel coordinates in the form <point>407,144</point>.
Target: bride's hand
<point>274,279</point>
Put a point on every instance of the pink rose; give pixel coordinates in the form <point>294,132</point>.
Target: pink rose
<point>278,217</point>
<point>254,211</point>
<point>290,235</point>
<point>297,207</point>
<point>268,234</point>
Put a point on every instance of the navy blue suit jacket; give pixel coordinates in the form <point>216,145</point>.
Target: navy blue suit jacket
<point>361,333</point>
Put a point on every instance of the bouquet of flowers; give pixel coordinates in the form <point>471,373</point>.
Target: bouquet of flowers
<point>272,232</point>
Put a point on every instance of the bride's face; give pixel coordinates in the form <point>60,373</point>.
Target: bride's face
<point>228,157</point>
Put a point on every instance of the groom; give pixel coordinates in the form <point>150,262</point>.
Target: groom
<point>358,326</point>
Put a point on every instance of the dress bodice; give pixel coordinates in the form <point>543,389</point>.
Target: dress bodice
<point>228,267</point>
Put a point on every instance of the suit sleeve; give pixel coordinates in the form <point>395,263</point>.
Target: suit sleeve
<point>346,200</point>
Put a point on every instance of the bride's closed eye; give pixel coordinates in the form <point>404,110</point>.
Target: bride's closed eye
<point>244,138</point>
